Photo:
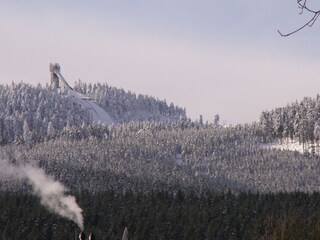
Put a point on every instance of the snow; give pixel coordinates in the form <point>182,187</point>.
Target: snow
<point>98,114</point>
<point>178,159</point>
<point>291,146</point>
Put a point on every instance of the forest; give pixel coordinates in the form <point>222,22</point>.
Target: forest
<point>163,215</point>
<point>298,120</point>
<point>157,172</point>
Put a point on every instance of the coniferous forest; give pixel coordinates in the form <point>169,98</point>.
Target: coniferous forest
<point>163,215</point>
<point>156,172</point>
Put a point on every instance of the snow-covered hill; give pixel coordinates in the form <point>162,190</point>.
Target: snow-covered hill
<point>126,106</point>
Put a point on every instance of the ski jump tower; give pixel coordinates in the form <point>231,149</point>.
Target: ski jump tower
<point>57,80</point>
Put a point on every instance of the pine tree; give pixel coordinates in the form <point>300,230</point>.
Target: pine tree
<point>50,131</point>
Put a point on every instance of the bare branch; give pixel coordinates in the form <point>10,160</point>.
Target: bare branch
<point>303,6</point>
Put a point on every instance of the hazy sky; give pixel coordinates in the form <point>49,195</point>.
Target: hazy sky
<point>208,56</point>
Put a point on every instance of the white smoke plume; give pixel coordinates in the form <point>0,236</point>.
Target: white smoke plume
<point>52,193</point>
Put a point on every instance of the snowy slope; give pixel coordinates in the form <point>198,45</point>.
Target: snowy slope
<point>98,114</point>
<point>292,146</point>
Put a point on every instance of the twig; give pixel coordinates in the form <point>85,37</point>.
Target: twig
<point>303,6</point>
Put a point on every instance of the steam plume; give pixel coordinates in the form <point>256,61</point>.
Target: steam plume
<point>52,193</point>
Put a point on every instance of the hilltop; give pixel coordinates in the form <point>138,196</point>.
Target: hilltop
<point>36,111</point>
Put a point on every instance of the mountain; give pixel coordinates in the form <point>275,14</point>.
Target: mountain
<point>34,108</point>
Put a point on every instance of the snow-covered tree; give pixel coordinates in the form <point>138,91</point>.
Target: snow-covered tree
<point>26,132</point>
<point>50,130</point>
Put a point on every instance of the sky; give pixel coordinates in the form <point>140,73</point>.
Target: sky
<point>210,57</point>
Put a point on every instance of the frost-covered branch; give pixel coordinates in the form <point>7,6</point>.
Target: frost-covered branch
<point>303,6</point>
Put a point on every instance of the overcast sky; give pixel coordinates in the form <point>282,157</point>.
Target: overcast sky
<point>211,57</point>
